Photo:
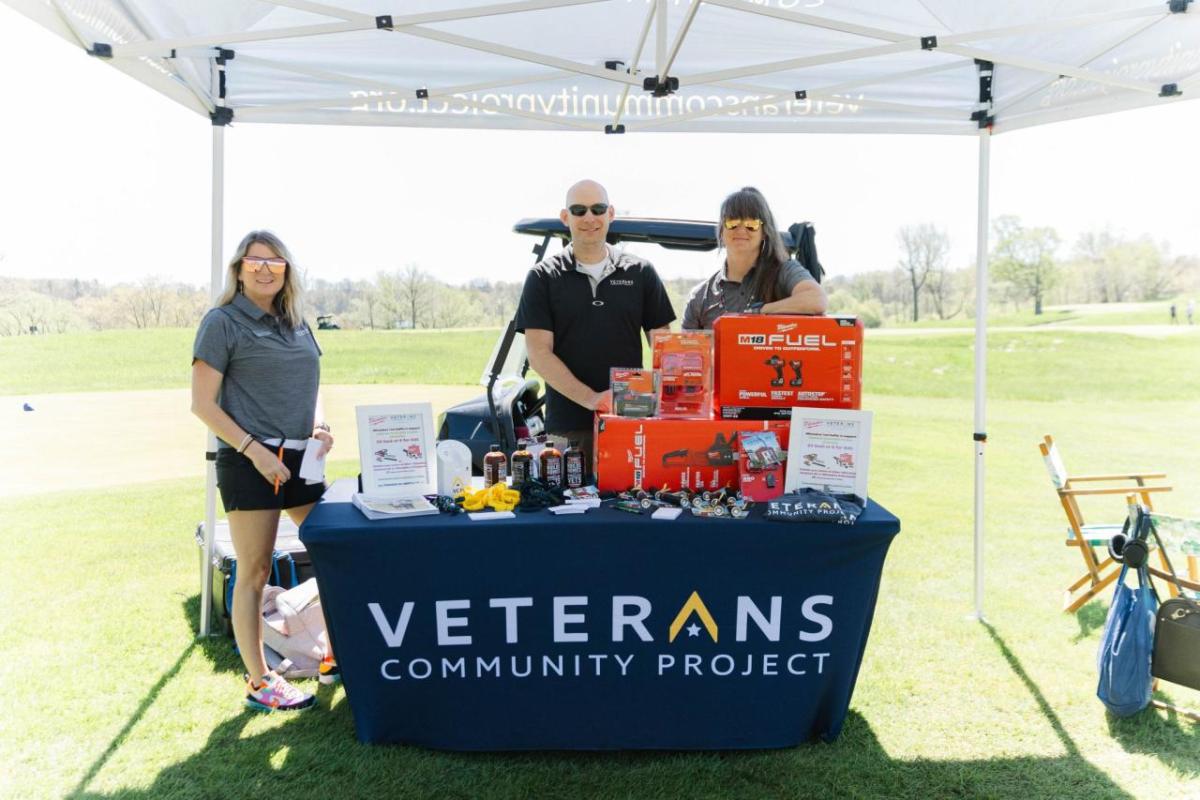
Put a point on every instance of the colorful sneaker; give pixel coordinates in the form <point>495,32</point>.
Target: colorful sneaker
<point>329,672</point>
<point>273,693</point>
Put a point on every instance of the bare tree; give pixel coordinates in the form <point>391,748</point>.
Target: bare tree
<point>416,290</point>
<point>1107,277</point>
<point>923,251</point>
<point>944,287</point>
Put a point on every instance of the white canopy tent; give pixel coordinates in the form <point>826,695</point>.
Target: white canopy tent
<point>628,66</point>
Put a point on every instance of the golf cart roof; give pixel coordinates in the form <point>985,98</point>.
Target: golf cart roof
<point>674,234</point>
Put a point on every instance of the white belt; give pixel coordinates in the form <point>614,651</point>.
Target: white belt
<point>288,444</point>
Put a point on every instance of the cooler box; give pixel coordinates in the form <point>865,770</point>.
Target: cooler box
<point>768,363</point>
<point>292,566</point>
<point>677,453</point>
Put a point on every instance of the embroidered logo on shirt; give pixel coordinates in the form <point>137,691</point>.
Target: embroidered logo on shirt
<point>617,282</point>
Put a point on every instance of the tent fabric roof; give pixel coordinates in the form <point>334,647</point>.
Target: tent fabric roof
<point>894,66</point>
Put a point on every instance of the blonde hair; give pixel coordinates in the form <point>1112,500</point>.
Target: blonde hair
<point>289,303</point>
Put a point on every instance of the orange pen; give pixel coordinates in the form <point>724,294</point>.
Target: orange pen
<point>280,461</point>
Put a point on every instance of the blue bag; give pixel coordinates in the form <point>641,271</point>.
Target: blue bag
<point>1126,647</point>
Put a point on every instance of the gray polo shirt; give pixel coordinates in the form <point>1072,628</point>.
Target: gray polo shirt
<point>271,370</point>
<point>717,295</point>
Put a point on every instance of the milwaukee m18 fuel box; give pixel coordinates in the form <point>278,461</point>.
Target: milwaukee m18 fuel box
<point>677,453</point>
<point>768,363</point>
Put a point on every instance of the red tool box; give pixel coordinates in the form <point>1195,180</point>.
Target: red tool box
<point>766,364</point>
<point>677,453</point>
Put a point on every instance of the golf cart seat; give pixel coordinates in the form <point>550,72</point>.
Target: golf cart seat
<point>518,415</point>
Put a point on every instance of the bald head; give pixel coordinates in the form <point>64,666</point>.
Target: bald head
<point>586,192</point>
<point>589,227</point>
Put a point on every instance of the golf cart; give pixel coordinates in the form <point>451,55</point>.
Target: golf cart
<point>325,323</point>
<point>513,405</point>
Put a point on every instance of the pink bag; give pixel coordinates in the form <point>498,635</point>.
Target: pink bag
<point>294,629</point>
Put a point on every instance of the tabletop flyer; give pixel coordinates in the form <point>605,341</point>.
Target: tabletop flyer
<point>396,450</point>
<point>829,449</point>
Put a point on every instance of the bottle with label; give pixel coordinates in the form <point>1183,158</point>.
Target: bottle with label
<point>573,465</point>
<point>495,467</point>
<point>551,465</point>
<point>522,465</point>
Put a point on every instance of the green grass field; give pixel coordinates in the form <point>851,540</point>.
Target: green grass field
<point>1143,313</point>
<point>108,694</point>
<point>161,359</point>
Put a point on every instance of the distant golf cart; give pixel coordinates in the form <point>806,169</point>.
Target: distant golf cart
<point>325,323</point>
<point>513,405</point>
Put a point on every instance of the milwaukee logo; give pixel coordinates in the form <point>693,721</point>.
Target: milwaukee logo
<point>784,340</point>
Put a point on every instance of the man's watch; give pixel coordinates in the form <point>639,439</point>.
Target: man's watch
<point>755,308</point>
<point>321,426</point>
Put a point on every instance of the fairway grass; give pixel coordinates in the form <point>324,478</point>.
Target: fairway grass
<point>109,695</point>
<point>120,437</point>
<point>161,358</point>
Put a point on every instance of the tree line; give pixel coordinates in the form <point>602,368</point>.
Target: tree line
<point>1028,268</point>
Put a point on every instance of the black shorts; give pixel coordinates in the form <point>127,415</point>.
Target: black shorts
<point>243,488</point>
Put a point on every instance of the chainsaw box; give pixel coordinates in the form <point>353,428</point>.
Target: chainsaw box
<point>767,363</point>
<point>677,453</point>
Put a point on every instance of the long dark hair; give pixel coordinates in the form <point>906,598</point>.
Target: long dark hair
<point>749,203</point>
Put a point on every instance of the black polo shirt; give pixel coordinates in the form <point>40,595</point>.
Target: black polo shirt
<point>592,332</point>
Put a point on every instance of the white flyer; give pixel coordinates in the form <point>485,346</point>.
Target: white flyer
<point>396,450</point>
<point>312,467</point>
<point>829,449</point>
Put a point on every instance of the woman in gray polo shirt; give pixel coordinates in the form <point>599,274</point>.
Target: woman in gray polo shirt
<point>255,377</point>
<point>758,276</point>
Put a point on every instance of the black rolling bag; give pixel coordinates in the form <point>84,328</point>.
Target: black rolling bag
<point>291,566</point>
<point>1176,634</point>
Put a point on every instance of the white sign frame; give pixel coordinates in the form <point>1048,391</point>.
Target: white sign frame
<point>394,430</point>
<point>818,445</point>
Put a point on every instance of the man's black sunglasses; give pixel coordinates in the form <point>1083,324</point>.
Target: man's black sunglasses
<point>579,209</point>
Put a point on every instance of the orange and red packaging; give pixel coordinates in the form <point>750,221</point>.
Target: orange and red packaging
<point>684,362</point>
<point>768,363</point>
<point>697,454</point>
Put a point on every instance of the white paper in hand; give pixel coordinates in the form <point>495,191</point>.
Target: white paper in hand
<point>312,468</point>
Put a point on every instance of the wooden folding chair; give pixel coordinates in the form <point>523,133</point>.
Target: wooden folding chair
<point>1100,571</point>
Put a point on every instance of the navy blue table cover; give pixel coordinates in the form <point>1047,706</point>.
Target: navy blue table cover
<point>770,622</point>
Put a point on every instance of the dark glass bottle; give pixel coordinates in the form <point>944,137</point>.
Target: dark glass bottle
<point>552,465</point>
<point>522,465</point>
<point>573,466</point>
<point>495,467</point>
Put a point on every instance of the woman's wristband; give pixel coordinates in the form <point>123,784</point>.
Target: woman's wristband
<point>241,448</point>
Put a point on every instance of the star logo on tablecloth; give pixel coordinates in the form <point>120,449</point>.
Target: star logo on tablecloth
<point>694,605</point>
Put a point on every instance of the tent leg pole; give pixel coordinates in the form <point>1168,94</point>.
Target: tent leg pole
<point>210,470</point>
<point>981,308</point>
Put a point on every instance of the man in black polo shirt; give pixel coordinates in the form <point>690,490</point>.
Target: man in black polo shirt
<point>583,311</point>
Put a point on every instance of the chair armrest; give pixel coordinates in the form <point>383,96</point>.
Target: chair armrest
<point>1132,476</point>
<point>1191,586</point>
<point>1115,490</point>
